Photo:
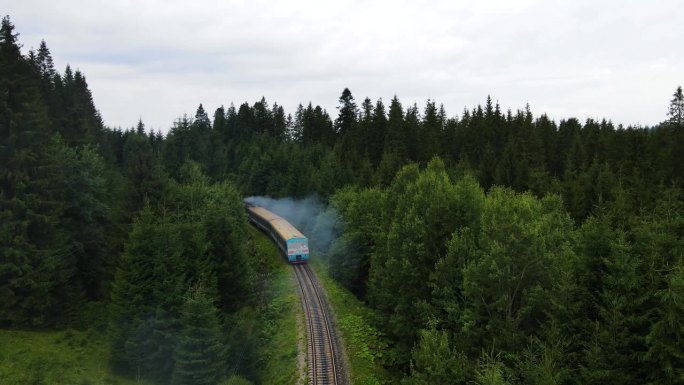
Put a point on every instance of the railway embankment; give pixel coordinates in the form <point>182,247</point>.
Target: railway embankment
<point>361,344</point>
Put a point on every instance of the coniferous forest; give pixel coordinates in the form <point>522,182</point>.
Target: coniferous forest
<point>495,246</point>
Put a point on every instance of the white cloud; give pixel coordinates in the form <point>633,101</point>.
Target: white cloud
<point>160,59</point>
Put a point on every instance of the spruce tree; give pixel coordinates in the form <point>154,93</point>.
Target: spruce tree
<point>198,144</point>
<point>279,126</point>
<point>131,299</point>
<point>86,218</point>
<point>347,113</point>
<point>676,110</point>
<point>147,294</point>
<point>378,128</point>
<point>395,133</point>
<point>224,224</point>
<point>430,132</point>
<point>199,353</point>
<point>263,117</point>
<point>145,176</point>
<point>667,332</point>
<point>37,262</point>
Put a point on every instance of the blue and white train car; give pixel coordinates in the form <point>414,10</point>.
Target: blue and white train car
<point>293,244</point>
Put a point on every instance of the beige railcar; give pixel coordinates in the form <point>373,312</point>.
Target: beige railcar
<point>291,241</point>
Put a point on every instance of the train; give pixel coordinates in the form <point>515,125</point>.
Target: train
<point>291,242</point>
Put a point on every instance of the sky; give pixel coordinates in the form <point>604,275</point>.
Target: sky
<point>157,60</point>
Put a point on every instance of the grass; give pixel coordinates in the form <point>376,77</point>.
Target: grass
<point>363,343</point>
<point>277,318</point>
<point>279,333</point>
<point>56,357</point>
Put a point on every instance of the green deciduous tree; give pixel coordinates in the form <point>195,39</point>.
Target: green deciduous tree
<point>434,361</point>
<point>422,212</point>
<point>360,211</point>
<point>508,275</point>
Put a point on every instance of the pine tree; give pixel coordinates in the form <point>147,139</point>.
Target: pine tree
<point>199,136</point>
<point>177,145</point>
<point>130,298</point>
<point>618,342</point>
<point>244,122</point>
<point>362,138</point>
<point>224,224</point>
<point>46,68</point>
<point>147,294</point>
<point>667,332</point>
<point>86,218</point>
<point>430,132</point>
<point>217,152</point>
<point>670,155</point>
<point>296,132</point>
<point>199,352</point>
<point>378,128</point>
<point>412,130</point>
<point>79,122</point>
<point>395,140</point>
<point>143,171</point>
<point>676,110</point>
<point>37,263</point>
<point>348,113</point>
<point>263,119</point>
<point>278,127</point>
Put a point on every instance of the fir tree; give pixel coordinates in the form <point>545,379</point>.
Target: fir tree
<point>199,352</point>
<point>36,264</point>
<point>347,115</point>
<point>676,110</point>
<point>395,134</point>
<point>376,136</point>
<point>667,332</point>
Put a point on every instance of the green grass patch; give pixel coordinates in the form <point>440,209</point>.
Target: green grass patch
<point>56,357</point>
<point>277,316</point>
<point>363,342</point>
<point>279,333</point>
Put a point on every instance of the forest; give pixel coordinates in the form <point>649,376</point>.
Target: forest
<point>495,247</point>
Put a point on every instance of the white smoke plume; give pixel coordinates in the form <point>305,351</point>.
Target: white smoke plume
<point>309,215</point>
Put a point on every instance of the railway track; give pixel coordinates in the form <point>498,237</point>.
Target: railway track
<point>320,338</point>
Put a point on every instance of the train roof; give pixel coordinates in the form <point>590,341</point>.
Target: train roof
<point>279,224</point>
<point>285,229</point>
<point>263,213</point>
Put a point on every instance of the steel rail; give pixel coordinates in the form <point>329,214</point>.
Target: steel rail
<point>321,345</point>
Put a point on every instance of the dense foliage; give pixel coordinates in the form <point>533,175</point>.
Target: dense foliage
<point>504,286</point>
<point>498,247</point>
<point>56,226</point>
<point>90,217</point>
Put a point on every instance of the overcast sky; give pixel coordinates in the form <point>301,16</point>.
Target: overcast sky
<point>157,60</point>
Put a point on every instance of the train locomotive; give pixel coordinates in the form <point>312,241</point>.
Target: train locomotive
<point>289,240</point>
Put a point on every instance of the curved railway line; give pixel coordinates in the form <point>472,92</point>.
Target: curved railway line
<point>326,365</point>
<point>320,338</point>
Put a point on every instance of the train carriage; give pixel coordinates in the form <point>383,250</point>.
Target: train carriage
<point>290,241</point>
